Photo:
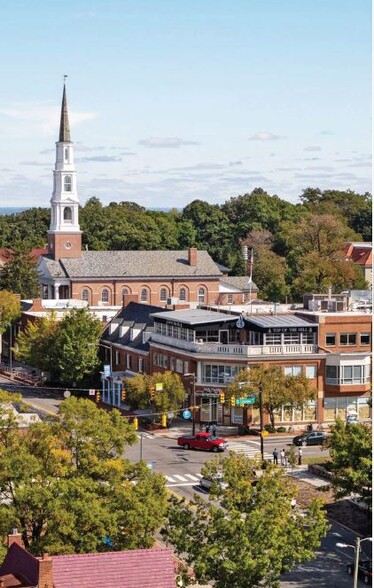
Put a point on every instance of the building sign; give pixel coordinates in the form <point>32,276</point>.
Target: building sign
<point>106,371</point>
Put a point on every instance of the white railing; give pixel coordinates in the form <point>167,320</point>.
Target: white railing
<point>234,349</point>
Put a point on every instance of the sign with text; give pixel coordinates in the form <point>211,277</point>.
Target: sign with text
<point>245,401</point>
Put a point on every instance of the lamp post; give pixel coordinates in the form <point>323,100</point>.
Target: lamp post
<point>192,375</point>
<point>357,548</point>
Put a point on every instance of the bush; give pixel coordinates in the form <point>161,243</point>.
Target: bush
<point>281,429</point>
<point>269,428</point>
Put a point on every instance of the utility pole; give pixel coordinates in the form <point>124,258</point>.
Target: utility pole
<point>261,422</point>
<point>192,375</point>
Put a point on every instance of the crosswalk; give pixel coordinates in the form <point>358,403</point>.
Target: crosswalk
<point>251,449</point>
<point>185,480</point>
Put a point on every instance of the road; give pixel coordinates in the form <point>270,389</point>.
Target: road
<point>182,470</point>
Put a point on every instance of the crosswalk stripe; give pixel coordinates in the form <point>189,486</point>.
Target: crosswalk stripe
<point>191,477</point>
<point>181,478</point>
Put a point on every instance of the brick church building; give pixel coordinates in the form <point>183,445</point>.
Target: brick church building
<point>102,278</point>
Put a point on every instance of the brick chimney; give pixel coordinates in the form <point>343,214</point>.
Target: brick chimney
<point>127,298</point>
<point>45,572</point>
<point>192,256</point>
<point>15,537</point>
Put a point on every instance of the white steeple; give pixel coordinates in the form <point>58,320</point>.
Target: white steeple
<point>64,201</point>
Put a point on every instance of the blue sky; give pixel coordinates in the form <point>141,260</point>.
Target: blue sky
<point>173,100</point>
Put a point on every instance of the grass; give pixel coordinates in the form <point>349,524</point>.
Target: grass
<point>316,459</point>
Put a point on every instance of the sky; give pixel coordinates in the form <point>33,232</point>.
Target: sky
<point>176,100</point>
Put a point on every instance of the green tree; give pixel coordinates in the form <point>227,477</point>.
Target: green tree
<point>19,273</point>
<point>276,388</point>
<point>36,345</point>
<point>255,538</point>
<point>350,448</point>
<point>67,487</point>
<point>10,309</point>
<point>142,392</point>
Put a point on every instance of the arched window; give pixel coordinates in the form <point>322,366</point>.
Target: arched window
<point>182,294</point>
<point>201,295</point>
<point>86,295</point>
<point>67,183</point>
<point>144,295</point>
<point>163,294</point>
<point>105,295</point>
<point>68,214</point>
<point>125,292</point>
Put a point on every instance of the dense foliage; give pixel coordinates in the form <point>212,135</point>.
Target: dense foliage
<point>303,250</point>
<point>66,349</point>
<point>19,274</point>
<point>351,449</point>
<point>67,488</point>
<point>255,537</point>
<point>142,392</point>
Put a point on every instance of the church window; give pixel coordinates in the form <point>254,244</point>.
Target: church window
<point>105,295</point>
<point>163,294</point>
<point>66,154</point>
<point>182,294</point>
<point>144,295</point>
<point>85,295</point>
<point>125,292</point>
<point>68,214</point>
<point>201,295</point>
<point>67,183</point>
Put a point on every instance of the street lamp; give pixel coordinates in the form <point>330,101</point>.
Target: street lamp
<point>357,548</point>
<point>192,375</point>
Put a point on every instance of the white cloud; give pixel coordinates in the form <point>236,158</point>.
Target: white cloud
<point>312,148</point>
<point>166,142</point>
<point>265,136</point>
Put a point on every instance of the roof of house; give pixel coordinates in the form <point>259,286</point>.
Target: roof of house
<point>360,253</point>
<point>138,568</point>
<point>241,283</point>
<point>195,316</point>
<point>286,320</point>
<point>135,316</point>
<point>19,568</point>
<point>133,264</point>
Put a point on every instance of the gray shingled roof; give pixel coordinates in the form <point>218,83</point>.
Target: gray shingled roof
<point>285,320</point>
<point>240,282</point>
<point>132,264</point>
<point>54,267</point>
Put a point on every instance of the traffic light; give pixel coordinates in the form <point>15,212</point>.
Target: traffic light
<point>136,423</point>
<point>98,396</point>
<point>152,392</point>
<point>222,398</point>
<point>163,420</point>
<point>123,395</point>
<point>232,400</point>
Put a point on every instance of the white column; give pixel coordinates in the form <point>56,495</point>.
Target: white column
<point>57,293</point>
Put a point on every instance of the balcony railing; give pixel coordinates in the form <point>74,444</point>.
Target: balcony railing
<point>234,348</point>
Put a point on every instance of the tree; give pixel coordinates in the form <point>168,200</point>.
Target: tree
<point>67,488</point>
<point>255,537</point>
<point>10,309</point>
<point>276,388</point>
<point>351,454</point>
<point>36,345</point>
<point>142,392</point>
<point>19,273</point>
<point>77,345</point>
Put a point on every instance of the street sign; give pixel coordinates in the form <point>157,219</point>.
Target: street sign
<point>186,414</point>
<point>171,415</point>
<point>245,401</point>
<point>67,394</point>
<point>91,392</point>
<point>159,387</point>
<point>106,370</point>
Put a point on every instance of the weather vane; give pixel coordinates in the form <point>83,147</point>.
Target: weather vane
<point>65,76</point>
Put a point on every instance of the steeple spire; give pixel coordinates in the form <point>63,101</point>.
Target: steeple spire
<point>64,136</point>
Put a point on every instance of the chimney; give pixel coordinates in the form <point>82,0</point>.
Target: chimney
<point>45,572</point>
<point>15,537</point>
<point>192,256</point>
<point>127,298</point>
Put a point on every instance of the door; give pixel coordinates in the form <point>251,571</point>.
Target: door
<point>224,337</point>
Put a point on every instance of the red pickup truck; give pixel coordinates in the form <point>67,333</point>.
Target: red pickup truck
<point>204,441</point>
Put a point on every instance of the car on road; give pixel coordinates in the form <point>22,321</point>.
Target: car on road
<point>351,418</point>
<point>313,438</point>
<point>365,570</point>
<point>203,441</point>
<point>206,482</point>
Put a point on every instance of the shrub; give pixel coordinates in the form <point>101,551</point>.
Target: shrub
<point>269,428</point>
<point>281,429</point>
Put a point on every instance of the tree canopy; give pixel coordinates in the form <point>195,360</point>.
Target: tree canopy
<point>142,392</point>
<point>10,309</point>
<point>245,534</point>
<point>19,273</point>
<point>67,488</point>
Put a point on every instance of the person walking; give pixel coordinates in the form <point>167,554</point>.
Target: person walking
<point>207,428</point>
<point>214,429</point>
<point>283,457</point>
<point>300,457</point>
<point>275,456</point>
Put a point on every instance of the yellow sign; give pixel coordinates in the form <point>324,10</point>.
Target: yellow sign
<point>264,433</point>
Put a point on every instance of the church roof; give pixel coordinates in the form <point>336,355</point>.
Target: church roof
<point>132,264</point>
<point>64,135</point>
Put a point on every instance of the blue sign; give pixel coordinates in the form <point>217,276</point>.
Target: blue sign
<point>106,371</point>
<point>186,414</point>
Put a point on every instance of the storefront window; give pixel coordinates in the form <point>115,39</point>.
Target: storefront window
<point>329,409</point>
<point>310,411</point>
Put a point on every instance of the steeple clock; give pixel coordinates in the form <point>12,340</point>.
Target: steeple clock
<point>64,235</point>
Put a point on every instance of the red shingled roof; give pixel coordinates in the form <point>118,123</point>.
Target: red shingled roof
<point>362,255</point>
<point>139,568</point>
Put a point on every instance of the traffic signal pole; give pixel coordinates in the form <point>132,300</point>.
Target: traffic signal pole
<point>261,422</point>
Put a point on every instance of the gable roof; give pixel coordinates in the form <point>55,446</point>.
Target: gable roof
<point>20,566</point>
<point>133,264</point>
<point>360,253</point>
<point>138,568</point>
<point>135,315</point>
<point>238,283</point>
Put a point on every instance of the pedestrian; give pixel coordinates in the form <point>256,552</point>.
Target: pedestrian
<point>310,428</point>
<point>275,456</point>
<point>214,429</point>
<point>207,428</point>
<point>300,459</point>
<point>283,457</point>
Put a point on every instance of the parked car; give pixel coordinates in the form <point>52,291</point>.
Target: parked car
<point>204,441</point>
<point>365,570</point>
<point>351,418</point>
<point>314,438</point>
<point>206,482</point>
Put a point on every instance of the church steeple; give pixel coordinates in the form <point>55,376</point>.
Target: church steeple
<point>64,235</point>
<point>64,120</point>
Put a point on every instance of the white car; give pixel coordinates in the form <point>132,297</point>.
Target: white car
<point>206,482</point>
